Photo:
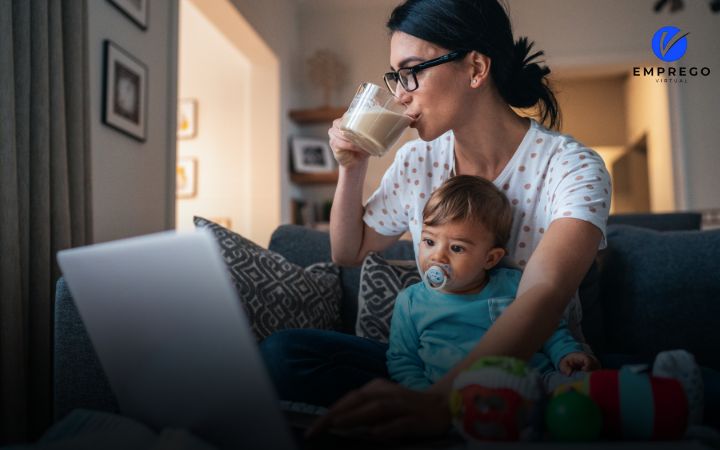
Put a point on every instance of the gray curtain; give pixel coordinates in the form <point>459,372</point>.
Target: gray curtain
<point>44,193</point>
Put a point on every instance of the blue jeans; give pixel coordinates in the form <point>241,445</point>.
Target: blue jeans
<point>318,366</point>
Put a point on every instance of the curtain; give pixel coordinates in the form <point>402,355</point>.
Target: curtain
<point>45,193</point>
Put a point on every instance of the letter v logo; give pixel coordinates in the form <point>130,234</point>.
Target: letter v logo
<point>669,44</point>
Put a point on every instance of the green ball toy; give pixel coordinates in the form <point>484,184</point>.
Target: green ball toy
<point>572,416</point>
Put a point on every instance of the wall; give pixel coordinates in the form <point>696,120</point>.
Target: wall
<point>262,127</point>
<point>216,74</point>
<point>593,109</point>
<point>133,181</point>
<point>648,114</point>
<point>276,21</point>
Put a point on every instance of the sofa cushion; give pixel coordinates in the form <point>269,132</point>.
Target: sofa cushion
<point>661,222</point>
<point>276,293</point>
<point>304,246</point>
<point>380,282</point>
<point>661,291</point>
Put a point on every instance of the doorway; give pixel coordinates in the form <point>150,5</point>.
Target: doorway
<point>228,148</point>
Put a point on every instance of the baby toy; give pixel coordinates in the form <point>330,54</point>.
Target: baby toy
<point>634,403</point>
<point>497,398</point>
<point>500,398</point>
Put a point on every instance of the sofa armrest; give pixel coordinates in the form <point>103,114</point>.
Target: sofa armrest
<point>78,379</point>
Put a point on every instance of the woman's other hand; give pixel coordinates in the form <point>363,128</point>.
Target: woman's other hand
<point>384,409</point>
<point>346,153</point>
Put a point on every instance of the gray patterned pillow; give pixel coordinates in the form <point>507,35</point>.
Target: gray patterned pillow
<point>276,293</point>
<point>380,282</point>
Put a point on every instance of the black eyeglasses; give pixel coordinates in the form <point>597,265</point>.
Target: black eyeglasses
<point>407,76</point>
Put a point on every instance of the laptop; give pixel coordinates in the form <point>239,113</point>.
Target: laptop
<point>173,339</point>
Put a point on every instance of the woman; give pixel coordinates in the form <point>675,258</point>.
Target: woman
<point>459,71</point>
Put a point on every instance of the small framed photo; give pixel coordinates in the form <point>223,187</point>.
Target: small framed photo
<point>186,178</point>
<point>187,118</point>
<point>311,156</point>
<point>224,222</point>
<point>135,10</point>
<point>125,92</point>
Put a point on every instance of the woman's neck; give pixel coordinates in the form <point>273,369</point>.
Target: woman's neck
<point>484,146</point>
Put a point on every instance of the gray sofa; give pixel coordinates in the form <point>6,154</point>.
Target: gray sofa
<point>648,291</point>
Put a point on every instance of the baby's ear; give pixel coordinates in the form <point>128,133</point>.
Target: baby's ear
<point>493,257</point>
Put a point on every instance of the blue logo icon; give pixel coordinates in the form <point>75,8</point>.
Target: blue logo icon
<point>669,44</point>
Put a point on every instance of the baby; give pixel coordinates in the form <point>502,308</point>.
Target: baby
<point>437,322</point>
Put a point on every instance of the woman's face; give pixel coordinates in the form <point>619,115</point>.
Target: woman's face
<point>437,104</point>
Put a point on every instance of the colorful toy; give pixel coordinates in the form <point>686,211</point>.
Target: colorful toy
<point>636,404</point>
<point>572,416</point>
<point>500,398</point>
<point>496,399</point>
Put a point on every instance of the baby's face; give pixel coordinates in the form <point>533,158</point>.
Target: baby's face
<point>468,248</point>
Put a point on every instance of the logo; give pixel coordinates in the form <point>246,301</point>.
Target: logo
<point>669,44</point>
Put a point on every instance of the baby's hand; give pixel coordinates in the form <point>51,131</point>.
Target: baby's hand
<point>578,361</point>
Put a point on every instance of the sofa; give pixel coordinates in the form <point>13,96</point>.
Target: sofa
<point>649,291</point>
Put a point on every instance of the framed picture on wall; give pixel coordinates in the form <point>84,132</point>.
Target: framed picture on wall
<point>310,155</point>
<point>186,178</point>
<point>125,92</point>
<point>135,10</point>
<point>187,118</point>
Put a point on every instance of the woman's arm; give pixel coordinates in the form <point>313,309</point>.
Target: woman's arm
<point>552,275</point>
<point>350,238</point>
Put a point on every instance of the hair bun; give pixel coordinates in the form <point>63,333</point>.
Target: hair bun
<point>525,82</point>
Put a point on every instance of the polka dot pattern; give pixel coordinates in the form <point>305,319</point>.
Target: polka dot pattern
<point>531,182</point>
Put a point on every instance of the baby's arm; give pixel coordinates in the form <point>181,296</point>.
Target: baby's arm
<point>561,344</point>
<point>403,362</point>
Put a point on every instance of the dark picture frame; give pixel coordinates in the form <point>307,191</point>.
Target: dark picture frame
<point>125,92</point>
<point>311,155</point>
<point>135,10</point>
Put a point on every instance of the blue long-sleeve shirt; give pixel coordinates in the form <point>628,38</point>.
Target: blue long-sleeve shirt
<point>432,331</point>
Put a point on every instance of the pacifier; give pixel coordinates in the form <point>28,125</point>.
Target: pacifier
<point>437,276</point>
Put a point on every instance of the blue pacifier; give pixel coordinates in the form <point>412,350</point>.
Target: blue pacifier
<point>436,277</point>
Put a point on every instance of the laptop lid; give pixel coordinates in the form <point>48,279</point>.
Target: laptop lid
<point>173,339</point>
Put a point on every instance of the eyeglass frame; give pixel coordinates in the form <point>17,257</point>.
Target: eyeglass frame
<point>414,70</point>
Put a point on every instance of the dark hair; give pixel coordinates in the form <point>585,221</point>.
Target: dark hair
<point>467,197</point>
<point>484,26</point>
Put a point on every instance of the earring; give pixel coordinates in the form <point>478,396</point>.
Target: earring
<point>474,81</point>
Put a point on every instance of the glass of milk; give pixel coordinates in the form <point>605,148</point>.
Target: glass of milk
<point>375,119</point>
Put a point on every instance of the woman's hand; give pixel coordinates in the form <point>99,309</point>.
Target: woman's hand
<point>384,409</point>
<point>346,153</point>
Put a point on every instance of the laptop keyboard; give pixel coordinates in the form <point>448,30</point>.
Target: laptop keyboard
<point>302,408</point>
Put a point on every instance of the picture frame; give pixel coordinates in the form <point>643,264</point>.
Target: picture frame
<point>311,155</point>
<point>224,222</point>
<point>135,10</point>
<point>125,86</point>
<point>187,118</point>
<point>186,177</point>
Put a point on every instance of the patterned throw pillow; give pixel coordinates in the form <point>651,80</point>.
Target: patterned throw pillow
<point>380,282</point>
<point>276,293</point>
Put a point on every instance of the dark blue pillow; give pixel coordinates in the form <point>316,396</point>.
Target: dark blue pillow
<point>661,291</point>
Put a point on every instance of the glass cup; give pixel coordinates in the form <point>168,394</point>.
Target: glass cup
<point>375,119</point>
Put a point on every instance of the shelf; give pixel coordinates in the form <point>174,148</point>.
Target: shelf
<point>316,115</point>
<point>314,178</point>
